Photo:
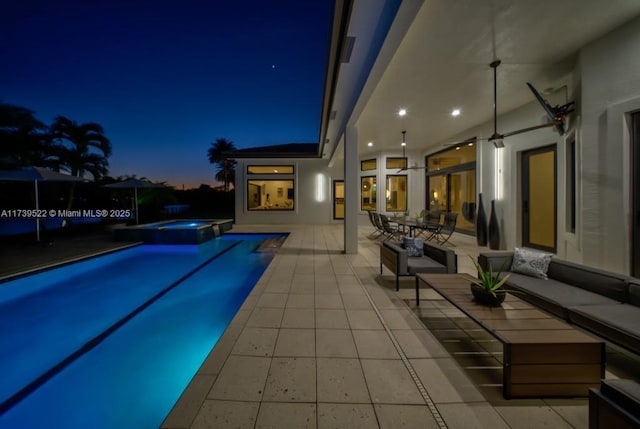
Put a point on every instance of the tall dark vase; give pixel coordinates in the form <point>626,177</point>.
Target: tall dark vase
<point>494,228</point>
<point>481,223</point>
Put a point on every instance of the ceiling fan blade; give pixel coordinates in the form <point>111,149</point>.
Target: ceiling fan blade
<point>556,114</point>
<point>526,130</point>
<point>468,142</point>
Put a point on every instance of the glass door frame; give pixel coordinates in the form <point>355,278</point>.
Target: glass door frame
<point>447,172</point>
<point>335,198</point>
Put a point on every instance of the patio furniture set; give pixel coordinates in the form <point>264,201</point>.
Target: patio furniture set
<point>432,226</point>
<point>546,322</point>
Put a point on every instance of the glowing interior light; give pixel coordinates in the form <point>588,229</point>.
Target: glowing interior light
<point>470,144</point>
<point>275,171</point>
<point>403,144</point>
<point>320,187</point>
<point>370,144</point>
<point>402,112</point>
<point>455,112</point>
<point>457,147</point>
<point>498,166</point>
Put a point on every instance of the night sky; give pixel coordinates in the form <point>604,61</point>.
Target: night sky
<point>166,78</point>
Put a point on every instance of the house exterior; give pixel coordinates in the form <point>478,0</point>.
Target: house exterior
<point>575,194</point>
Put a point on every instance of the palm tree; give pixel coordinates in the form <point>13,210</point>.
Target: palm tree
<point>23,139</point>
<point>81,148</point>
<point>226,167</point>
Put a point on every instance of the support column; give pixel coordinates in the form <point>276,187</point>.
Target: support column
<point>351,203</point>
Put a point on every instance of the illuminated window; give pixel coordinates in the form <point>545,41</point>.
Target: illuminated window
<point>270,169</point>
<point>368,193</point>
<point>396,163</point>
<point>368,164</point>
<point>270,195</point>
<point>396,193</point>
<point>451,183</point>
<point>458,155</point>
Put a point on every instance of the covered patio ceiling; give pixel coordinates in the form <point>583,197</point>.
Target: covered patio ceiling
<point>436,58</point>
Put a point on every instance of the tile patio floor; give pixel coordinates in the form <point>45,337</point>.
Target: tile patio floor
<point>324,341</point>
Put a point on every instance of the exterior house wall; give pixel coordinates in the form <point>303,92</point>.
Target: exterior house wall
<point>610,88</point>
<point>313,192</point>
<point>498,170</point>
<point>606,88</point>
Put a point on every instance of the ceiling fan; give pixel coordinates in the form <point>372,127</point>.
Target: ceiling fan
<point>556,114</point>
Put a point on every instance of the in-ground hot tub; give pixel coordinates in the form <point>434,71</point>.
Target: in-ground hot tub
<point>181,231</point>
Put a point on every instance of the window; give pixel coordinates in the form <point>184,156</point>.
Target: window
<point>368,193</point>
<point>451,157</point>
<point>270,169</point>
<point>396,193</point>
<point>451,183</point>
<point>396,163</point>
<point>368,164</point>
<point>270,194</point>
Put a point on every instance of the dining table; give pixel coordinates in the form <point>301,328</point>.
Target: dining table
<point>415,227</point>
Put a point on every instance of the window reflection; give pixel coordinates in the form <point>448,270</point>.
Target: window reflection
<point>368,193</point>
<point>451,183</point>
<point>396,193</point>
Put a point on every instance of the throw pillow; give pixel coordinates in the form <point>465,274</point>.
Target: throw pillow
<point>530,262</point>
<point>413,246</point>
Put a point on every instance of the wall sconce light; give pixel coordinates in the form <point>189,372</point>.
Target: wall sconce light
<point>404,143</point>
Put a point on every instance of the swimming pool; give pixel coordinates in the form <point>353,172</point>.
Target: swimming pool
<point>114,340</point>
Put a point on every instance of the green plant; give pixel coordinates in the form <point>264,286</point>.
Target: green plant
<point>487,280</point>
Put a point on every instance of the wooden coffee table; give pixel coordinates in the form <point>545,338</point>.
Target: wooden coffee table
<point>542,356</point>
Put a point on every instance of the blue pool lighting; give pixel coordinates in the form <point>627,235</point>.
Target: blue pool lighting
<point>113,341</point>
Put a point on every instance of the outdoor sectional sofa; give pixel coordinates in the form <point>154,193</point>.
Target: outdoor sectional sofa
<point>605,303</point>
<point>436,260</point>
<point>615,405</point>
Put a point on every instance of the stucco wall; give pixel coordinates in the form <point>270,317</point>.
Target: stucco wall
<point>488,171</point>
<point>606,86</point>
<point>610,87</point>
<point>312,205</point>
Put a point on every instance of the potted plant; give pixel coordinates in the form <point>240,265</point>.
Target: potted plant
<point>487,288</point>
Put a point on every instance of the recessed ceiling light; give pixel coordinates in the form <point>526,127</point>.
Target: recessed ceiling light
<point>455,112</point>
<point>370,144</point>
<point>470,144</point>
<point>457,147</point>
<point>402,112</point>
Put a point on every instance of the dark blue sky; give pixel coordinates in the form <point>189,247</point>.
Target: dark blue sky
<point>166,78</point>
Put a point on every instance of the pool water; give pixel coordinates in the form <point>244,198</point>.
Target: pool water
<point>113,341</point>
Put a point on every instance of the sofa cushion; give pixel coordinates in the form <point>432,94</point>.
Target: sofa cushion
<point>413,246</point>
<point>605,283</point>
<point>618,322</point>
<point>634,292</point>
<point>425,265</point>
<point>530,262</point>
<point>552,295</point>
<point>625,393</point>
